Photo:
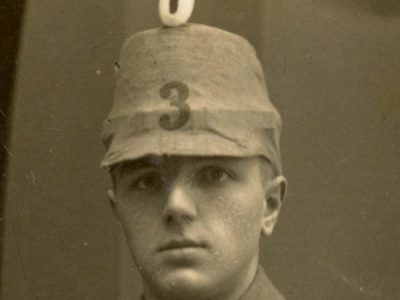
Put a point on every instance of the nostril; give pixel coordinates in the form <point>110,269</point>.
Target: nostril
<point>187,219</point>
<point>167,218</point>
<point>170,218</point>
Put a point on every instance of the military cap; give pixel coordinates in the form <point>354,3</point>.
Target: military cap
<point>191,90</point>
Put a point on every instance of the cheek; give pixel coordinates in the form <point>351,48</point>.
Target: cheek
<point>236,216</point>
<point>139,220</point>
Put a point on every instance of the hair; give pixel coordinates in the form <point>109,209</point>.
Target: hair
<point>267,169</point>
<point>268,173</point>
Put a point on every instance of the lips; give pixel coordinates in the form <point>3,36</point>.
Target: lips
<point>181,244</point>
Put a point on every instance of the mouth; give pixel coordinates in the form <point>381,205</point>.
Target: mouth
<point>181,244</point>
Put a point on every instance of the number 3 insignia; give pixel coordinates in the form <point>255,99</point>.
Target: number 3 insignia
<point>179,101</point>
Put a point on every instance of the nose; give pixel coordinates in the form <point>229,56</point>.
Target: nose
<point>180,206</point>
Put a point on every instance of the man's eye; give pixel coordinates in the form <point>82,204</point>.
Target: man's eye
<point>148,181</point>
<point>213,175</point>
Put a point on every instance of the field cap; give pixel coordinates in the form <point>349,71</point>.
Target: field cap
<point>191,90</point>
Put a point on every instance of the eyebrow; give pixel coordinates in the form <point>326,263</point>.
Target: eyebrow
<point>142,163</point>
<point>215,160</point>
<point>154,161</point>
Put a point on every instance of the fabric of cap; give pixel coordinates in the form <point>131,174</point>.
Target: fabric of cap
<point>227,105</point>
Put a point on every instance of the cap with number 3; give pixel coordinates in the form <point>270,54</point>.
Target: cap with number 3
<point>191,90</point>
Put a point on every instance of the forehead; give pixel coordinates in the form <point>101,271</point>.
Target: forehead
<point>166,161</point>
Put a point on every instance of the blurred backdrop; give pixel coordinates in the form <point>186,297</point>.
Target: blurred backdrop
<point>332,69</point>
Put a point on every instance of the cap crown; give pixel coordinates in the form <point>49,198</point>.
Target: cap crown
<point>184,86</point>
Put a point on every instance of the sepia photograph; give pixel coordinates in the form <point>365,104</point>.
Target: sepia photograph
<point>200,150</point>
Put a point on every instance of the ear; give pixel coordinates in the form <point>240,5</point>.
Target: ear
<point>275,193</point>
<point>112,200</point>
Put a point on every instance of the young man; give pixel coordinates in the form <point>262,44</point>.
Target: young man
<point>193,150</point>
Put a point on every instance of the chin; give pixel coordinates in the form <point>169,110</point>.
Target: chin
<point>183,284</point>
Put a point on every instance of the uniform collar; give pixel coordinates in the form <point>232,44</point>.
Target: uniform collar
<point>262,288</point>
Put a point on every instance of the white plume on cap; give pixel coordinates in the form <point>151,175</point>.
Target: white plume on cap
<point>180,17</point>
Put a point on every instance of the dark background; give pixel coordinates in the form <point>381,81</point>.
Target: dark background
<point>11,15</point>
<point>333,70</point>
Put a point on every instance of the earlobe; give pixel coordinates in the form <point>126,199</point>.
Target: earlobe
<point>274,197</point>
<point>111,198</point>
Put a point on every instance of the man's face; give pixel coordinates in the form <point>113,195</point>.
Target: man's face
<point>192,224</point>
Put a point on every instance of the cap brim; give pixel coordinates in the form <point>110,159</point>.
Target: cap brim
<point>187,143</point>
